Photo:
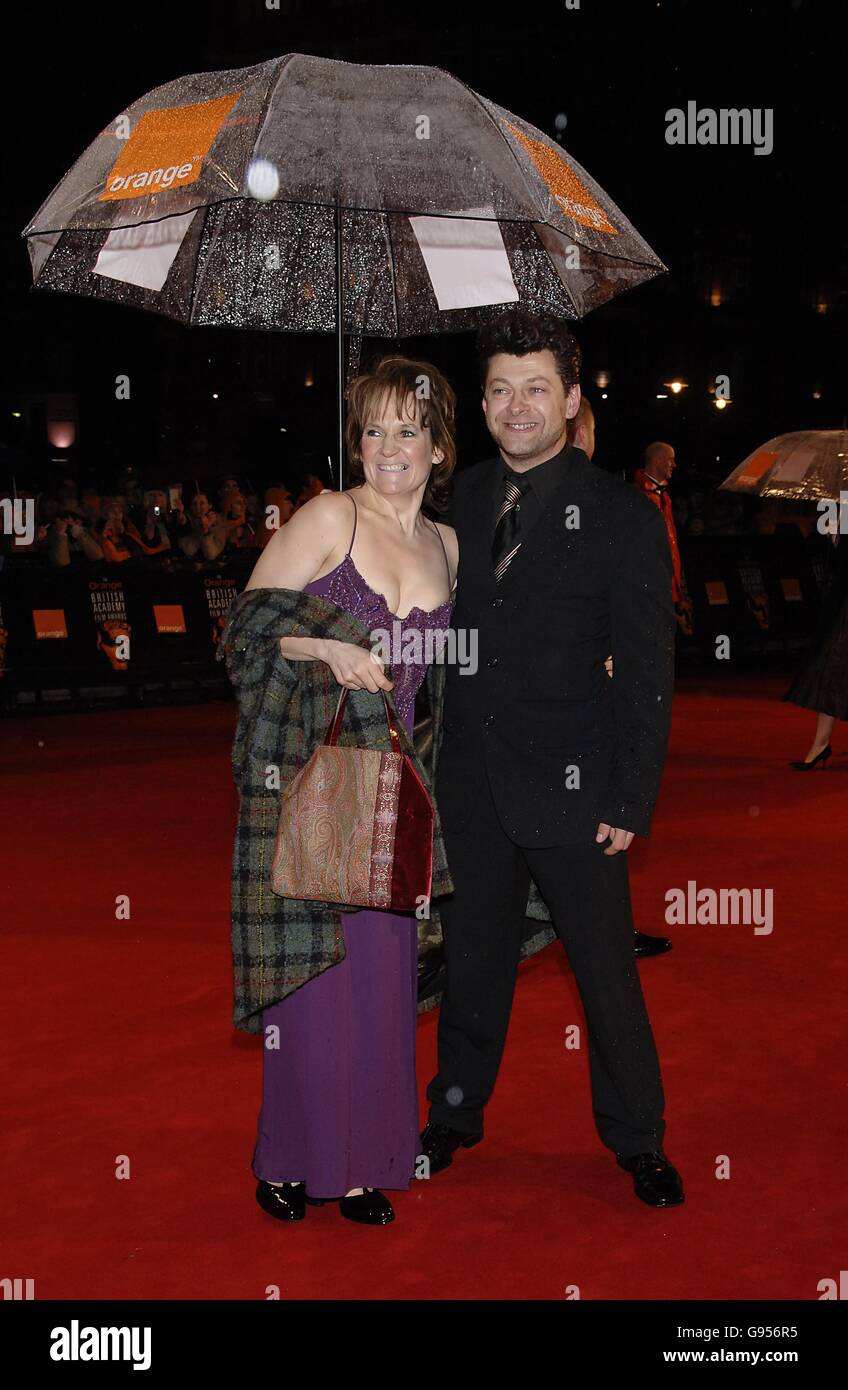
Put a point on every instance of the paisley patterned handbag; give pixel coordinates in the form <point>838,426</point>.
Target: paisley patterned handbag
<point>356,827</point>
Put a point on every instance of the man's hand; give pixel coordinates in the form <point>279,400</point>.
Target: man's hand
<point>619,839</point>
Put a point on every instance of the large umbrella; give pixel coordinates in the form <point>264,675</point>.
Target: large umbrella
<point>261,197</point>
<point>807,465</point>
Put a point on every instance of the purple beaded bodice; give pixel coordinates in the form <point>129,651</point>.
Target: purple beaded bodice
<point>410,657</point>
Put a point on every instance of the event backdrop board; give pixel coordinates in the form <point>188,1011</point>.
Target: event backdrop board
<point>112,622</point>
<point>139,621</point>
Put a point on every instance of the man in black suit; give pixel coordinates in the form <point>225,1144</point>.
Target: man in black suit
<point>581,434</point>
<point>547,766</point>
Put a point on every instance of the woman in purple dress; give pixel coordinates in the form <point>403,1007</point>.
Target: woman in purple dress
<point>339,1117</point>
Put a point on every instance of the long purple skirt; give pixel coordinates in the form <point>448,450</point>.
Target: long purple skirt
<point>339,1095</point>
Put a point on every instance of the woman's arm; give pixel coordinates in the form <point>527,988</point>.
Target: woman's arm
<point>304,547</point>
<point>296,554</point>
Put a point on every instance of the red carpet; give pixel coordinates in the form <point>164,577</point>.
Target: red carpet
<point>119,1047</point>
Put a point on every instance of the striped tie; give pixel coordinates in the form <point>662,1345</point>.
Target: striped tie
<point>507,538</point>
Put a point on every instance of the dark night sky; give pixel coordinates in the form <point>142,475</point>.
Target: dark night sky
<point>769,229</point>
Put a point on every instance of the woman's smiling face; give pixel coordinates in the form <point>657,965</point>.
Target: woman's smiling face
<point>397,452</point>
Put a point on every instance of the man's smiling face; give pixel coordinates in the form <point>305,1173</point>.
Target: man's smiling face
<point>527,407</point>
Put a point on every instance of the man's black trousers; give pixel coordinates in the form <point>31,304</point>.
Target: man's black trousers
<point>588,897</point>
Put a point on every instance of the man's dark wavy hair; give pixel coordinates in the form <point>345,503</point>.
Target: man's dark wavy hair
<point>520,331</point>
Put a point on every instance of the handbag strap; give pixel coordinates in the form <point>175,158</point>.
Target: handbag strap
<point>333,730</point>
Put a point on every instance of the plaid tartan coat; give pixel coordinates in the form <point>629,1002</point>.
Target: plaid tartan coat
<point>284,710</point>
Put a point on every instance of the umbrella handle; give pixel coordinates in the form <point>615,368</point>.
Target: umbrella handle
<point>340,339</point>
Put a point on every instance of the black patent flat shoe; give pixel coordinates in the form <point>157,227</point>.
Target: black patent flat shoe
<point>370,1208</point>
<point>655,1181</point>
<point>285,1202</point>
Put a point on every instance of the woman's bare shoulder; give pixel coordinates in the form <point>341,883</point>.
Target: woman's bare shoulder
<point>326,516</point>
<point>327,504</point>
<point>451,540</point>
<point>298,550</point>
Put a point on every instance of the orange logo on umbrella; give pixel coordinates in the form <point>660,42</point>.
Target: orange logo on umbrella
<point>166,149</point>
<point>573,197</point>
<point>758,464</point>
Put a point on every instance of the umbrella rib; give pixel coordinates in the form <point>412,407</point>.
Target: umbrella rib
<point>392,271</point>
<point>659,269</point>
<point>530,190</point>
<point>193,290</point>
<point>489,117</point>
<point>349,207</point>
<point>556,274</point>
<point>272,87</point>
<point>289,202</point>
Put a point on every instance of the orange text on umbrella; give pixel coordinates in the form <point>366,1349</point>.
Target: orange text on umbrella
<point>572,195</point>
<point>166,149</point>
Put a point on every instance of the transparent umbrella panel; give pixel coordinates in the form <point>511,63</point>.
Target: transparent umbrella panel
<point>807,465</point>
<point>213,200</point>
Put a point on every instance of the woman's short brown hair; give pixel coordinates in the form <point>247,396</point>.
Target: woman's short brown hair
<point>435,409</point>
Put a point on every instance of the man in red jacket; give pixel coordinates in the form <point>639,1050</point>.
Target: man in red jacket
<point>653,479</point>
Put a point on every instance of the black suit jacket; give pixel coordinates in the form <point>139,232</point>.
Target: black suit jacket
<point>562,744</point>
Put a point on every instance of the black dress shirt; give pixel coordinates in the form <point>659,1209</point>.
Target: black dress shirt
<point>544,481</point>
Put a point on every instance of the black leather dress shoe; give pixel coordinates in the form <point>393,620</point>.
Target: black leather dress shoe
<point>654,1178</point>
<point>644,945</point>
<point>440,1142</point>
<point>285,1202</point>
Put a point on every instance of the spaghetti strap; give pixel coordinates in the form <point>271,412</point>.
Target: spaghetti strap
<point>355,517</point>
<point>445,553</point>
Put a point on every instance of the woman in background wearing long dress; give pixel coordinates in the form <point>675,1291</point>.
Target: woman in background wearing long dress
<point>339,1117</point>
<point>822,683</point>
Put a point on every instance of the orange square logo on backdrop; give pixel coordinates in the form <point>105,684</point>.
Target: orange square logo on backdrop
<point>49,622</point>
<point>166,149</point>
<point>791,590</point>
<point>169,617</point>
<point>716,592</point>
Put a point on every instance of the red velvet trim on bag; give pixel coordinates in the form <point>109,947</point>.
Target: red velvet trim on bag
<point>412,874</point>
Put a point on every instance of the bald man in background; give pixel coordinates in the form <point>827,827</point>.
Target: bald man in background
<point>581,432</point>
<point>653,479</point>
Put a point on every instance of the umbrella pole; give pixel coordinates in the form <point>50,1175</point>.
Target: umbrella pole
<point>340,340</point>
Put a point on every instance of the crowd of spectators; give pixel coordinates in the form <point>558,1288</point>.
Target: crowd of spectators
<point>189,525</point>
<point>75,528</point>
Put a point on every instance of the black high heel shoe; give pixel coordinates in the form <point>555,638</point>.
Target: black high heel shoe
<point>821,757</point>
<point>285,1202</point>
<point>370,1208</point>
